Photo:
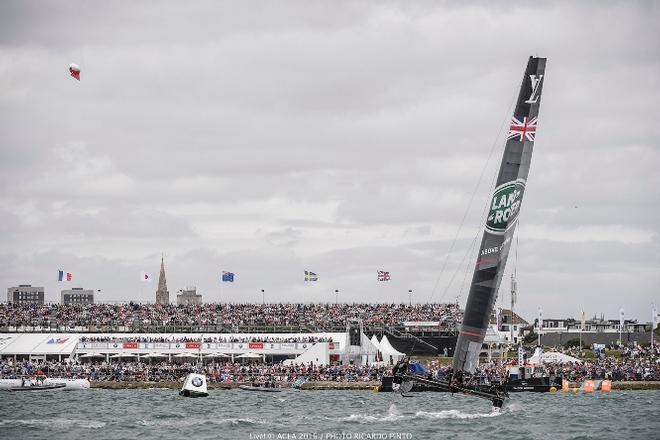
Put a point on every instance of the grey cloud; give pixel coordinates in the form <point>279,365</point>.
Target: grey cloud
<point>349,137</point>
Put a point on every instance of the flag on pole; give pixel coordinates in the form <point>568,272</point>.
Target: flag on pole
<point>583,320</point>
<point>145,277</point>
<point>383,276</point>
<point>621,318</point>
<point>311,276</point>
<point>540,319</point>
<point>228,277</point>
<point>654,316</point>
<point>499,319</point>
<point>63,275</point>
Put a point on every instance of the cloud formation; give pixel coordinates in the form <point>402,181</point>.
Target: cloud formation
<point>342,139</point>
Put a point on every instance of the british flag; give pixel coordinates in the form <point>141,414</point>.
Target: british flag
<point>383,276</point>
<point>523,128</point>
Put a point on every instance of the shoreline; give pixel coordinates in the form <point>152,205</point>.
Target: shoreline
<point>320,386</point>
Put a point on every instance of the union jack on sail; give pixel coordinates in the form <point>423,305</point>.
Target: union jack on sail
<point>523,128</point>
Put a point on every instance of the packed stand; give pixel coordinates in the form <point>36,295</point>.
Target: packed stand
<point>226,372</point>
<point>228,316</point>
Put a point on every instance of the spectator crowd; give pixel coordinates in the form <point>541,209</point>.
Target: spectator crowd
<point>637,363</point>
<point>229,316</point>
<point>175,372</point>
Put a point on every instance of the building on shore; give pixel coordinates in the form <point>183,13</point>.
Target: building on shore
<point>77,295</point>
<point>162,294</point>
<point>188,296</point>
<point>25,294</point>
<point>507,325</point>
<point>596,330</point>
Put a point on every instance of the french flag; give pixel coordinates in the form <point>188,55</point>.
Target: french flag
<point>64,276</point>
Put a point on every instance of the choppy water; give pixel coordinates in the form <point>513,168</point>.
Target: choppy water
<point>235,414</point>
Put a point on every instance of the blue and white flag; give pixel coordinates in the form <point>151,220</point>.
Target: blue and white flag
<point>227,277</point>
<point>63,275</point>
<point>311,276</point>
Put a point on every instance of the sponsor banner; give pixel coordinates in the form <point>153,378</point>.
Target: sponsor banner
<point>177,345</point>
<point>209,346</point>
<point>256,345</point>
<point>224,345</point>
<point>331,345</point>
<point>193,345</point>
<point>130,345</point>
<point>272,346</point>
<point>505,206</point>
<point>239,345</point>
<point>145,345</point>
<point>303,345</point>
<point>114,345</point>
<point>162,345</point>
<point>288,346</point>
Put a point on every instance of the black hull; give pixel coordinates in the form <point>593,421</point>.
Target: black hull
<point>39,387</point>
<point>189,393</point>
<point>259,389</point>
<point>533,385</point>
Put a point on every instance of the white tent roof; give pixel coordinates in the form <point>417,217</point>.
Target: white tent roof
<point>387,348</point>
<point>154,355</point>
<point>186,355</point>
<point>249,355</point>
<point>374,340</point>
<point>124,355</point>
<point>216,355</point>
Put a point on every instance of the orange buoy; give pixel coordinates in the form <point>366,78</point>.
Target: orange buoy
<point>588,386</point>
<point>606,386</point>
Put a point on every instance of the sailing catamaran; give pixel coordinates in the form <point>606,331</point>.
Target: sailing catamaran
<point>501,221</point>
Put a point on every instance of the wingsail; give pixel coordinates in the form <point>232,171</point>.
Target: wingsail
<point>504,208</point>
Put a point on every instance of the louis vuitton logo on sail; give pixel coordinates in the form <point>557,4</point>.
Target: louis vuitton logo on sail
<point>536,84</point>
<point>505,206</point>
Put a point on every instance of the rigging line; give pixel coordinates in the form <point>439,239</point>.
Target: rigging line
<point>474,192</point>
<point>482,219</point>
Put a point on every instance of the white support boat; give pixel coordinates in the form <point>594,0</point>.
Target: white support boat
<point>55,382</point>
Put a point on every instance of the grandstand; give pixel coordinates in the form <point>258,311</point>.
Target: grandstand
<point>131,328</point>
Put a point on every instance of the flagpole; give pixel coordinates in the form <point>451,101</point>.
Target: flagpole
<point>621,320</point>
<point>221,285</point>
<point>654,316</point>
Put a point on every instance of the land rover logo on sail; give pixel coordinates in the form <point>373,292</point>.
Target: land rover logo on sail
<point>505,206</point>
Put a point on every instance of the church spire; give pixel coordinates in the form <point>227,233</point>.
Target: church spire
<point>162,294</point>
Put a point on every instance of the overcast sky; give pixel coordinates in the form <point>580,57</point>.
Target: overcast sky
<point>269,138</point>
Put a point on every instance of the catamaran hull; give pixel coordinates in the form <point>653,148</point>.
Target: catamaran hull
<point>534,385</point>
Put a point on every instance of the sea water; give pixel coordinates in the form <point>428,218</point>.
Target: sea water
<point>325,415</point>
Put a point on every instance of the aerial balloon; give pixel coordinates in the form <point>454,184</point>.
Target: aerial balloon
<point>75,71</point>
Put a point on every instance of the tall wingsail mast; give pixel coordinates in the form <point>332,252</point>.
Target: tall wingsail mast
<point>502,218</point>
